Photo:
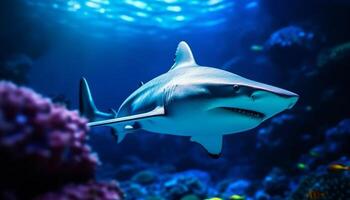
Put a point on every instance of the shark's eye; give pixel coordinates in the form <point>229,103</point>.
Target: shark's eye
<point>236,88</point>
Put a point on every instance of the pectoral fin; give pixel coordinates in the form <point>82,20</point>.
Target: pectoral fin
<point>212,143</point>
<point>124,125</point>
<point>127,120</point>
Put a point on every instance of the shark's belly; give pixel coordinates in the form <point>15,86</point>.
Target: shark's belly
<point>195,122</point>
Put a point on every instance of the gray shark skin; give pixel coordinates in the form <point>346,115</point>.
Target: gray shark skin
<point>203,103</point>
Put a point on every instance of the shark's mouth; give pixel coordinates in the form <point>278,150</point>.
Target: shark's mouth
<point>249,113</point>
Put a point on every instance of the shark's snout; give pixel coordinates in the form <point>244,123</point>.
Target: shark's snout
<point>260,90</point>
<point>293,100</point>
<point>271,102</point>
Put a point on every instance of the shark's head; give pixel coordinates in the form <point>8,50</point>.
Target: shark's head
<point>241,102</point>
<point>230,101</point>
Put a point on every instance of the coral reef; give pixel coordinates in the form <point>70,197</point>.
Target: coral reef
<point>41,143</point>
<point>185,183</point>
<point>189,184</point>
<point>91,190</point>
<point>145,177</point>
<point>276,182</point>
<point>237,187</point>
<point>331,187</point>
<point>290,46</point>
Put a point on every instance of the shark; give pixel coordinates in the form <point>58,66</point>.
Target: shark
<point>200,102</point>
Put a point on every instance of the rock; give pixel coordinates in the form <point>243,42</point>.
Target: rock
<point>190,197</point>
<point>192,182</point>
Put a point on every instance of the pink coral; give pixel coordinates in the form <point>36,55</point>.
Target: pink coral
<point>89,191</point>
<point>42,145</point>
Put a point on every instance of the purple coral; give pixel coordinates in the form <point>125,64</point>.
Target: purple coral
<point>91,190</point>
<point>290,46</point>
<point>289,36</point>
<point>42,145</point>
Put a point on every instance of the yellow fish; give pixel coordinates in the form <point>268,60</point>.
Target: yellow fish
<point>214,198</point>
<point>315,195</point>
<point>237,197</point>
<point>336,168</point>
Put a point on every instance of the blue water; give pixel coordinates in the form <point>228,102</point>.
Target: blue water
<point>115,44</point>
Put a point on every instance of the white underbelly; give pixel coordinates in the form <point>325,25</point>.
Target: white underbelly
<point>188,126</point>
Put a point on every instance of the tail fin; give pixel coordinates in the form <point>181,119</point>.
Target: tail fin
<point>87,106</point>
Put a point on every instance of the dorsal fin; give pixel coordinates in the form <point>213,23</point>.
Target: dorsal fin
<point>183,56</point>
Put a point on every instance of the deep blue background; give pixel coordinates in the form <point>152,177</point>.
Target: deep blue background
<point>64,46</point>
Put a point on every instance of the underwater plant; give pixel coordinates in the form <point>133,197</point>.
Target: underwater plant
<point>41,143</point>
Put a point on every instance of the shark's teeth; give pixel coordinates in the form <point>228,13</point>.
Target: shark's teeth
<point>249,113</point>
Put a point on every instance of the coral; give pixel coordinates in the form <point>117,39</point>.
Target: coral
<point>144,177</point>
<point>290,45</point>
<point>189,182</point>
<point>41,143</point>
<point>154,198</point>
<point>339,132</point>
<point>336,140</point>
<point>289,36</point>
<point>269,137</point>
<point>330,185</point>
<point>276,182</point>
<point>91,190</point>
<point>238,187</point>
<point>277,138</point>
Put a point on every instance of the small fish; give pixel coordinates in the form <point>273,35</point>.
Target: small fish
<point>237,197</point>
<point>302,166</point>
<point>315,195</point>
<point>314,153</point>
<point>336,168</point>
<point>214,198</point>
<point>257,48</point>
